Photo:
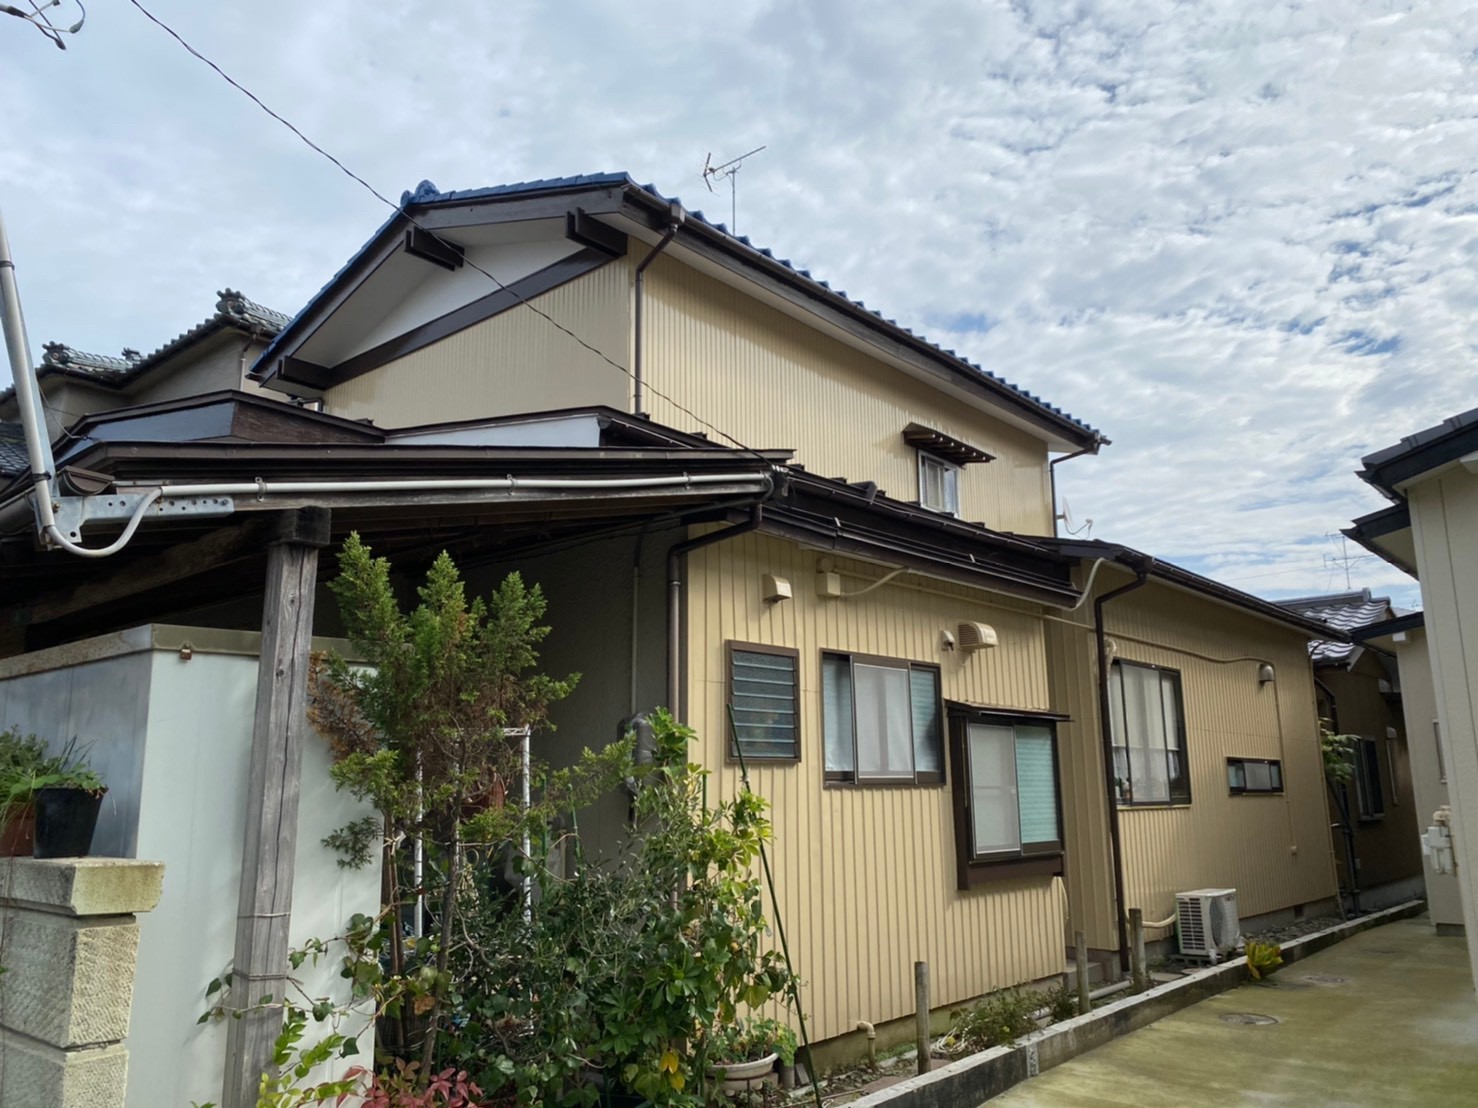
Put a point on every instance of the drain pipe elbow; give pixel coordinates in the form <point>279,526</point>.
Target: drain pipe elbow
<point>872,1041</point>
<point>676,216</point>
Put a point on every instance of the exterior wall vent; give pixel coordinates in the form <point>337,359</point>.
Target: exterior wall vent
<point>975,636</point>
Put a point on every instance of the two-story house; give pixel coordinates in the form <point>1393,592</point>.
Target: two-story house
<point>976,738</point>
<point>908,651</point>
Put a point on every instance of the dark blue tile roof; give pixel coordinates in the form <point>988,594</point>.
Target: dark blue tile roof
<point>428,193</point>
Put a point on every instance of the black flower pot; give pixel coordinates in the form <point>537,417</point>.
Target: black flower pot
<point>65,821</point>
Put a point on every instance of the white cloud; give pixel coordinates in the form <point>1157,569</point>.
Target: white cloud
<point>1239,238</point>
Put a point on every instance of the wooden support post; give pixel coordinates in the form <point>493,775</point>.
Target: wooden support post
<point>921,1015</point>
<point>264,905</point>
<point>1085,1003</point>
<point>1136,950</point>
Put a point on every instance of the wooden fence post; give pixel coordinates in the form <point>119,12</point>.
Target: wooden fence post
<point>921,1015</point>
<point>1085,1003</point>
<point>1136,949</point>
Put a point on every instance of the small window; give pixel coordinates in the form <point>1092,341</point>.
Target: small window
<point>939,485</point>
<point>1368,801</point>
<point>1008,816</point>
<point>1254,775</point>
<point>764,693</point>
<point>881,720</point>
<point>1148,721</point>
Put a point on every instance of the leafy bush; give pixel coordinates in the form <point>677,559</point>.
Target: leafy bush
<point>1263,958</point>
<point>1062,1002</point>
<point>998,1020</point>
<point>749,1040</point>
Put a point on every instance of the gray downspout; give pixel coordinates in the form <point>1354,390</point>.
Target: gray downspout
<point>1341,796</point>
<point>675,558</point>
<point>1106,731</point>
<point>675,218</point>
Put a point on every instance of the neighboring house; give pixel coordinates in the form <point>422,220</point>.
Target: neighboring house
<point>214,354</point>
<point>1360,693</point>
<point>909,652</point>
<point>1431,531</point>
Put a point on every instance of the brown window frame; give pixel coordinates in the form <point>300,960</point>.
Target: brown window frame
<point>1045,859</point>
<point>926,779</point>
<point>1243,790</point>
<point>731,751</point>
<point>1175,799</point>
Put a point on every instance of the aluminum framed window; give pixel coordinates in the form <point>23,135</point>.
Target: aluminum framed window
<point>1147,713</point>
<point>764,691</point>
<point>882,720</point>
<point>1369,800</point>
<point>939,485</point>
<point>1254,775</point>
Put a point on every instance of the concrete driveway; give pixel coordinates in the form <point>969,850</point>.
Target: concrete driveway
<point>1384,1019</point>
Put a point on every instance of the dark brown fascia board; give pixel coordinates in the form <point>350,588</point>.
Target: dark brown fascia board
<point>1372,544</point>
<point>716,247</point>
<point>1396,517</point>
<point>275,408</point>
<point>1412,621</point>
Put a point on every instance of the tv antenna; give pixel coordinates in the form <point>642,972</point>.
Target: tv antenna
<point>729,169</point>
<point>37,18</point>
<point>1344,559</point>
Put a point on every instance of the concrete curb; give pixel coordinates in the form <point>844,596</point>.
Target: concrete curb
<point>970,1081</point>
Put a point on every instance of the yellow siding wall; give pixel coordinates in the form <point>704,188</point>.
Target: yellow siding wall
<point>514,362</point>
<point>1218,840</point>
<point>866,876</point>
<point>773,381</point>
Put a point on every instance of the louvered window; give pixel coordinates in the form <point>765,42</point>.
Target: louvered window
<point>764,692</point>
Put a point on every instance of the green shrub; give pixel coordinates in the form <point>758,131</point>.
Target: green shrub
<point>1062,1002</point>
<point>1263,958</point>
<point>997,1020</point>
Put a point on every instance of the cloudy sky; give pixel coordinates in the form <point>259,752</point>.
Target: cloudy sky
<point>1238,237</point>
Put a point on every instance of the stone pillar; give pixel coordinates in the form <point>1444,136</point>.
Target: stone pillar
<point>69,944</point>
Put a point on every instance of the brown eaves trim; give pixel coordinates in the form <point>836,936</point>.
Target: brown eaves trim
<point>557,273</point>
<point>943,446</point>
<point>1168,571</point>
<point>1421,452</point>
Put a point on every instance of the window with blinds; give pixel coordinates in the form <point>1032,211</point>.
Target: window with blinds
<point>881,720</point>
<point>1148,722</point>
<point>764,692</point>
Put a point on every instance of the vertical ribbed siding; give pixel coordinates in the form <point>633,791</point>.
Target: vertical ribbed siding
<point>776,382</point>
<point>514,362</point>
<point>1274,850</point>
<point>866,876</point>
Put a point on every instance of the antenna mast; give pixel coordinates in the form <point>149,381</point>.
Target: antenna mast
<point>729,169</point>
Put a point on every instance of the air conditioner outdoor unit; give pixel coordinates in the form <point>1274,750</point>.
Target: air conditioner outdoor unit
<point>1208,923</point>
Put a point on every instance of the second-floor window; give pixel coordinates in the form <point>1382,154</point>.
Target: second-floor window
<point>939,485</point>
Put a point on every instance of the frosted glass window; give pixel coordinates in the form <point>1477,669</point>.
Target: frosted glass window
<point>884,721</point>
<point>993,789</point>
<point>762,690</point>
<point>836,713</point>
<point>881,720</point>
<point>1036,784</point>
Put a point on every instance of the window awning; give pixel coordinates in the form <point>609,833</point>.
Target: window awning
<point>943,446</point>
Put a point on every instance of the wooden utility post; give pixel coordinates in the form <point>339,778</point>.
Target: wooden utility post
<point>264,906</point>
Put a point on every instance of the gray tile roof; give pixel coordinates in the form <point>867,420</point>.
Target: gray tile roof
<point>232,310</point>
<point>428,193</point>
<point>13,456</point>
<point>1346,610</point>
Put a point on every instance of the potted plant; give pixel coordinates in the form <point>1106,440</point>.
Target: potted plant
<point>68,796</point>
<point>22,760</point>
<point>743,1054</point>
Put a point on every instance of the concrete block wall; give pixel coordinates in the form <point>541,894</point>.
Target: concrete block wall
<point>69,944</point>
